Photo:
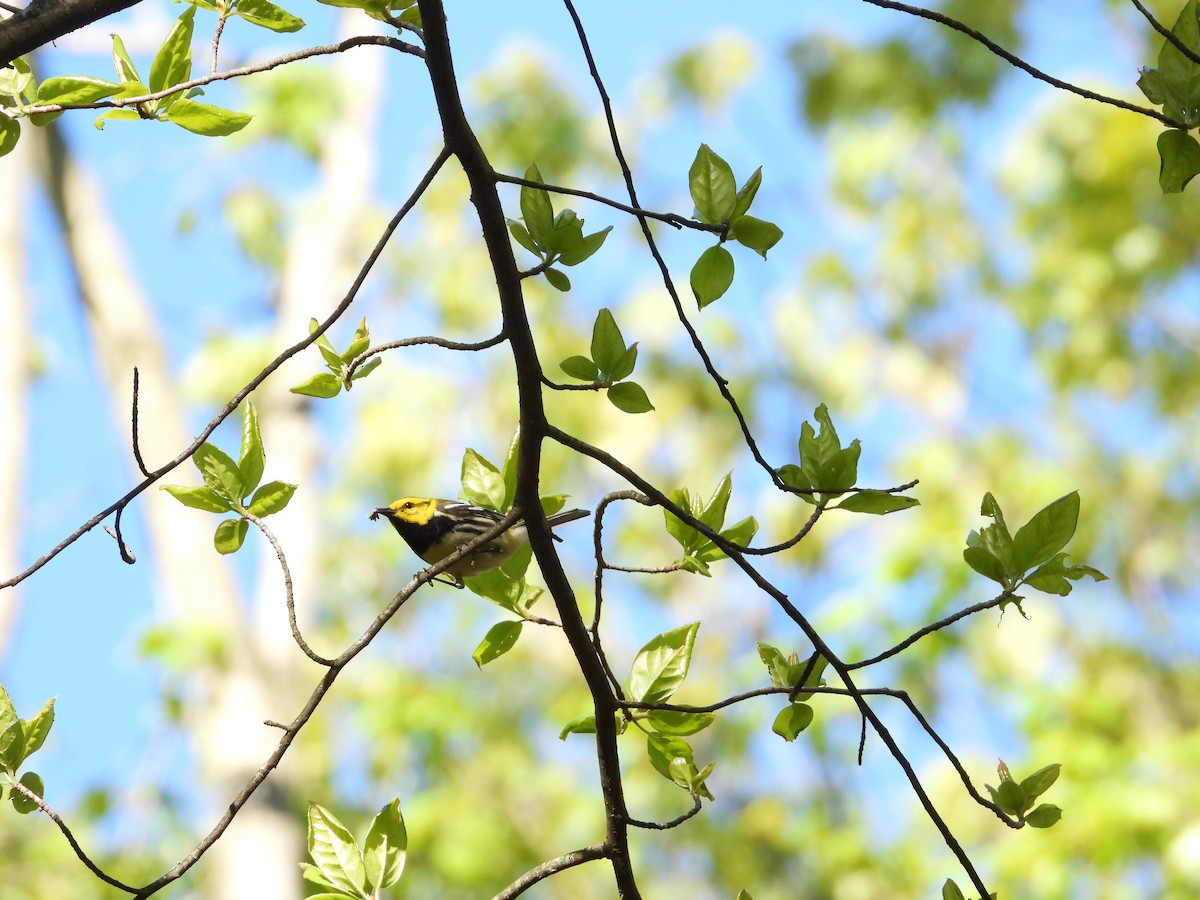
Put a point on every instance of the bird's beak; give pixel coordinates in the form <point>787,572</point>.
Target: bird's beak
<point>384,511</point>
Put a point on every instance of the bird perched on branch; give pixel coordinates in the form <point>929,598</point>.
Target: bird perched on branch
<point>435,528</point>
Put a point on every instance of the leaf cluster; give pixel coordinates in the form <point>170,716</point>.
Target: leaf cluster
<point>346,869</point>
<point>20,739</point>
<point>699,549</point>
<point>325,385</point>
<point>234,486</point>
<point>1175,86</point>
<point>610,363</point>
<point>787,672</point>
<point>1017,798</point>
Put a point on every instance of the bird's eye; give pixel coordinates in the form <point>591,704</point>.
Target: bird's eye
<point>408,505</point>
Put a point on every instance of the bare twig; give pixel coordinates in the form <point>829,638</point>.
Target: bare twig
<point>287,586</point>
<point>258,379</point>
<point>552,867</point>
<point>11,9</point>
<point>673,823</point>
<point>122,548</point>
<point>1019,63</point>
<point>137,448</point>
<point>416,341</point>
<point>216,41</point>
<point>1000,598</point>
<point>62,826</point>
<point>1167,33</point>
<point>673,219</point>
<point>240,72</point>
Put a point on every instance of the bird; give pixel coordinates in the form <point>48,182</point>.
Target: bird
<point>435,528</point>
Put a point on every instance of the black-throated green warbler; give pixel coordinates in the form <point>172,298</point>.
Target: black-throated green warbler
<point>435,528</point>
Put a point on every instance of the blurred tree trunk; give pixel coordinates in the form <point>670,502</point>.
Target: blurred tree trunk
<point>15,374</point>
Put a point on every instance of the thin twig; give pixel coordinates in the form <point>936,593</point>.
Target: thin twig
<point>931,628</point>
<point>673,823</point>
<point>11,9</point>
<point>287,586</point>
<point>122,548</point>
<point>416,341</point>
<point>137,448</point>
<point>1167,33</point>
<point>1019,63</point>
<point>25,792</point>
<point>240,72</point>
<point>216,41</point>
<point>552,867</point>
<point>673,219</point>
<point>258,379</point>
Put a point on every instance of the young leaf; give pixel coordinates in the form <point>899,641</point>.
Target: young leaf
<point>757,234</point>
<point>33,782</point>
<point>745,196</point>
<point>74,89</point>
<point>521,234</point>
<point>1051,576</point>
<point>206,119</point>
<point>8,713</point>
<point>359,343</point>
<point>664,750</point>
<point>877,503</point>
<point>579,725</point>
<point>271,498</point>
<point>251,458</point>
<point>776,664</point>
<point>118,114</point>
<point>558,280</point>
<point>230,535</point>
<point>625,365</point>
<point>951,891</point>
<point>332,848</point>
<point>204,498</point>
<point>173,62</point>
<point>677,723</point>
<point>792,720</point>
<point>12,746</point>
<point>1040,781</point>
<point>267,15</point>
<point>630,397</point>
<point>712,513</point>
<point>38,727</point>
<point>385,847</point>
<point>712,275</point>
<point>1178,160</point>
<point>323,385</point>
<point>1039,539</point>
<point>587,246</point>
<point>713,189</point>
<point>662,664</point>
<point>126,71</point>
<point>220,472</point>
<point>536,209</point>
<point>1044,816</point>
<point>10,133</point>
<point>482,482</point>
<point>608,345</point>
<point>580,368</point>
<point>500,638</point>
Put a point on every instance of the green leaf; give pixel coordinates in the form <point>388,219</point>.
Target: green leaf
<point>267,15</point>
<point>385,847</point>
<point>33,782</point>
<point>662,664</point>
<point>1040,781</point>
<point>360,342</point>
<point>332,848</point>
<point>625,365</point>
<point>776,664</point>
<point>74,89</point>
<point>1150,82</point>
<point>323,385</point>
<point>792,720</point>
<point>797,668</point>
<point>757,234</point>
<point>713,189</point>
<point>482,482</point>
<point>1180,82</point>
<point>678,723</point>
<point>686,535</point>
<point>271,498</point>
<point>983,562</point>
<point>497,586</point>
<point>12,746</point>
<point>663,750</point>
<point>580,368</point>
<point>712,275</point>
<point>115,114</point>
<point>204,498</point>
<point>126,71</point>
<point>220,472</point>
<point>558,280</point>
<point>712,513</point>
<point>579,725</point>
<point>1044,816</point>
<point>500,638</point>
<point>366,369</point>
<point>537,210</point>
<point>230,535</point>
<point>630,397</point>
<point>1010,797</point>
<point>951,891</point>
<point>877,503</point>
<point>521,234</point>
<point>173,61</point>
<point>1052,576</point>
<point>587,246</point>
<point>205,119</point>
<point>251,459</point>
<point>509,471</point>
<point>1178,160</point>
<point>38,727</point>
<point>1039,539</point>
<point>8,713</point>
<point>10,133</point>
<point>746,195</point>
<point>608,344</point>
<point>16,81</point>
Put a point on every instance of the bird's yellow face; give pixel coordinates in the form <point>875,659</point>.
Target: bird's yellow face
<point>417,510</point>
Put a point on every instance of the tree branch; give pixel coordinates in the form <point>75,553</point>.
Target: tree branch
<point>552,867</point>
<point>44,21</point>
